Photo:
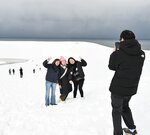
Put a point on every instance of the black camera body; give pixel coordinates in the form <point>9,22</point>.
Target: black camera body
<point>117,45</point>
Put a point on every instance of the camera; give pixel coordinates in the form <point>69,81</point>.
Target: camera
<point>117,44</point>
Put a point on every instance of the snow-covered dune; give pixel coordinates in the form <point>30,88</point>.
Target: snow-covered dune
<point>22,110</point>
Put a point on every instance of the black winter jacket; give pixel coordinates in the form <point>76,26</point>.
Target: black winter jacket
<point>64,80</point>
<point>127,62</point>
<point>52,72</point>
<point>77,70</point>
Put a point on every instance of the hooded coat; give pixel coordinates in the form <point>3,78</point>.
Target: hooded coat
<point>127,62</point>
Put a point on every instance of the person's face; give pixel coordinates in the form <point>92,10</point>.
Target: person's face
<point>71,61</point>
<point>63,62</point>
<point>57,63</point>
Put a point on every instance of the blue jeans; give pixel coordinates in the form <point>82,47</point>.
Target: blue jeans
<point>50,98</point>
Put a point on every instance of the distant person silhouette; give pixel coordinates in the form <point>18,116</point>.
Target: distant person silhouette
<point>9,71</point>
<point>13,71</point>
<point>21,72</point>
<point>34,71</point>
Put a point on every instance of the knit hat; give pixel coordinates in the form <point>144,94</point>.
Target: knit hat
<point>127,34</point>
<point>62,58</point>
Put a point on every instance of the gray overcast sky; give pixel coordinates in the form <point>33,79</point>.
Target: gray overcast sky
<point>74,18</point>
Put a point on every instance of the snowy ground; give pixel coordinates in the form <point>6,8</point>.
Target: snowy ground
<point>22,110</point>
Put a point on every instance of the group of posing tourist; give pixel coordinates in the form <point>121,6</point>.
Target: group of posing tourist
<point>69,75</point>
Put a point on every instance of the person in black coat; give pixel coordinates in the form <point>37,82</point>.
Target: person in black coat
<point>65,81</point>
<point>127,62</point>
<point>21,72</point>
<point>77,73</point>
<point>9,71</point>
<point>51,80</point>
<point>13,70</point>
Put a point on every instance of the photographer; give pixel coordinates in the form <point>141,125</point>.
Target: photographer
<point>127,62</point>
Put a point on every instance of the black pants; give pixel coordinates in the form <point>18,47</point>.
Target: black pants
<point>80,85</point>
<point>120,108</point>
<point>63,96</point>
